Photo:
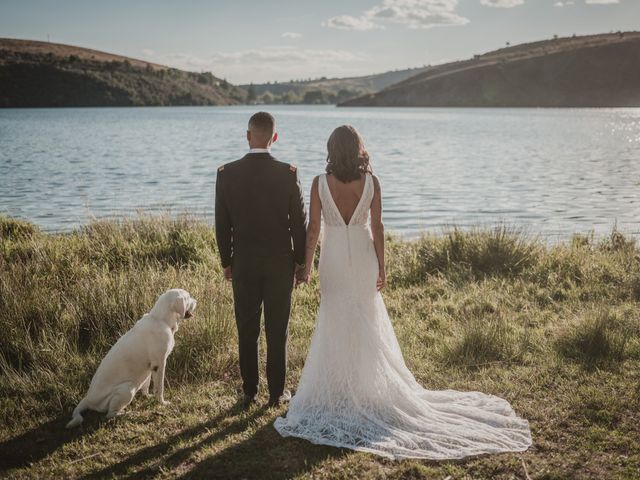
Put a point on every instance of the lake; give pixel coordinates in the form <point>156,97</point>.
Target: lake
<point>552,172</point>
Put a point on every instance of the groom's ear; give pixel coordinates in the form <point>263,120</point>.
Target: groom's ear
<point>275,137</point>
<point>248,135</point>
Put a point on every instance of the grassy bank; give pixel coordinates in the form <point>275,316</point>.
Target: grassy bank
<point>553,329</point>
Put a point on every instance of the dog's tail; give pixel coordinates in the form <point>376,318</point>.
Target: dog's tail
<point>76,417</point>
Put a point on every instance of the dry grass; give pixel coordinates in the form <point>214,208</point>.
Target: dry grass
<point>554,329</point>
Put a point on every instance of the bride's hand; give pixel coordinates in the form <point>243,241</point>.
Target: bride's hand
<point>306,275</point>
<point>382,280</point>
<point>302,276</point>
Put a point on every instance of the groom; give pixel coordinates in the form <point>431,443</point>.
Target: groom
<point>260,230</point>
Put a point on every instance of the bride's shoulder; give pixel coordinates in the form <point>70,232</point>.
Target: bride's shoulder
<point>315,182</point>
<point>376,181</point>
<point>317,178</point>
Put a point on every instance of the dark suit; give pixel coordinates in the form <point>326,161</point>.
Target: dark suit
<point>260,230</point>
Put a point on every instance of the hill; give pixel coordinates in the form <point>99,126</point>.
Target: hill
<point>42,74</point>
<point>587,71</point>
<point>326,90</point>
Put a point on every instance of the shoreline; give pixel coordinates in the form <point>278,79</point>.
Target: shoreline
<point>437,231</point>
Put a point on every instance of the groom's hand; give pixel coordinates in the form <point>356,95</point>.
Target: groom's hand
<point>227,273</point>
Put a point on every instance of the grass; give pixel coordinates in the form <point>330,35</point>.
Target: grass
<point>555,329</point>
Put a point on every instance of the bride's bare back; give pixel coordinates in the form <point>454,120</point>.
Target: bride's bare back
<point>346,196</point>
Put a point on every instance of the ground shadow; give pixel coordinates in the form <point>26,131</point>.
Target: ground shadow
<point>264,455</point>
<point>157,451</point>
<point>39,442</point>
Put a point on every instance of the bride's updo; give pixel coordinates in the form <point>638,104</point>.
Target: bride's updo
<point>347,158</point>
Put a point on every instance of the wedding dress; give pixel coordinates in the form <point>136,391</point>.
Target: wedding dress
<point>356,391</point>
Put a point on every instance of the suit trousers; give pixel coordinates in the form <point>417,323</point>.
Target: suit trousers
<point>258,282</point>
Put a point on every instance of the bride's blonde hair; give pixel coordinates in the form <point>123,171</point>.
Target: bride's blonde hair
<point>347,158</point>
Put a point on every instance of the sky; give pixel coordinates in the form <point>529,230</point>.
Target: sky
<point>279,40</point>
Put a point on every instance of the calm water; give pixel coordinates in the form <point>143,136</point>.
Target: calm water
<point>553,172</point>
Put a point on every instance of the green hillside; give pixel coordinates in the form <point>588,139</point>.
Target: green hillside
<point>42,74</point>
<point>588,71</point>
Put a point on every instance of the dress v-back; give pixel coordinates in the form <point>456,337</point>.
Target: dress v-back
<point>356,391</point>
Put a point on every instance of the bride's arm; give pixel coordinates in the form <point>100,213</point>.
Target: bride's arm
<point>313,229</point>
<point>377,230</point>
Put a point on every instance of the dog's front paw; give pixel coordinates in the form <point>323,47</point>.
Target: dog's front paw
<point>165,402</point>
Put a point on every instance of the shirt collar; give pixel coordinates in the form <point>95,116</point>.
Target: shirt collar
<point>260,150</point>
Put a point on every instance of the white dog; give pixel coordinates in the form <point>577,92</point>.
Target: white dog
<point>138,355</point>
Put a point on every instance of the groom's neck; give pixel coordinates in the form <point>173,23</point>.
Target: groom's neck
<point>259,145</point>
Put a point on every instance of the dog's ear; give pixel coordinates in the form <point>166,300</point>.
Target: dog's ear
<point>181,305</point>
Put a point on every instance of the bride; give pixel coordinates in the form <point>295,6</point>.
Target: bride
<point>355,390</point>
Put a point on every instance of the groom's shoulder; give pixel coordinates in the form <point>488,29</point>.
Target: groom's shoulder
<point>231,166</point>
<point>243,165</point>
<point>286,168</point>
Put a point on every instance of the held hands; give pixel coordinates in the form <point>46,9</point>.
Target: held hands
<point>227,273</point>
<point>382,279</point>
<point>302,275</point>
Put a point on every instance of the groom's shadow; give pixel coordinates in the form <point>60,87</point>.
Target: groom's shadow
<point>157,451</point>
<point>42,440</point>
<point>264,455</point>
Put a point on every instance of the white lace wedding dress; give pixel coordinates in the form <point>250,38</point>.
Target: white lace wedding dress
<point>356,391</point>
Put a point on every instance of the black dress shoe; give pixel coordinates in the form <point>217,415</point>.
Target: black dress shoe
<point>248,400</point>
<point>277,401</point>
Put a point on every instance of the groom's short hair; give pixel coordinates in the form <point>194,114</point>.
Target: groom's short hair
<point>264,122</point>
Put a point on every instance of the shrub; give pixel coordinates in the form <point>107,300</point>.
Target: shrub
<point>618,242</point>
<point>499,251</point>
<point>598,339</point>
<point>15,229</point>
<point>483,341</point>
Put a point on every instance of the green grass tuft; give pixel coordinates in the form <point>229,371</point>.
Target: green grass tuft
<point>15,229</point>
<point>500,251</point>
<point>599,338</point>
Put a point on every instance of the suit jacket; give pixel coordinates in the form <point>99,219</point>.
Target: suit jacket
<point>260,209</point>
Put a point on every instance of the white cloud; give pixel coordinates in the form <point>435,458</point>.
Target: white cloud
<point>148,52</point>
<point>411,13</point>
<point>285,55</point>
<point>564,3</point>
<point>347,22</point>
<point>601,2</point>
<point>292,35</point>
<point>501,3</point>
<point>270,63</point>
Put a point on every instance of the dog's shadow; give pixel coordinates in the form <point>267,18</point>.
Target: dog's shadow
<point>39,442</point>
